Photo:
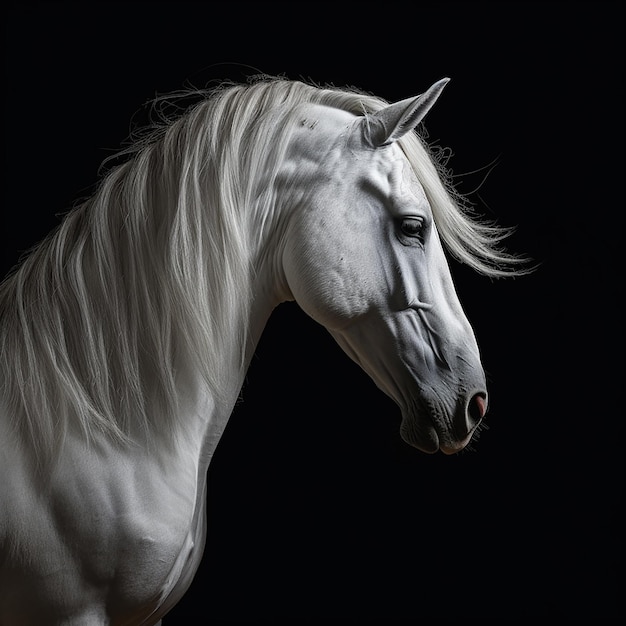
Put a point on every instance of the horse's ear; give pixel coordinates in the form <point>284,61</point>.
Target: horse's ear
<point>389,124</point>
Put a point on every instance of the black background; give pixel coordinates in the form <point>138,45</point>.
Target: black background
<point>317,509</point>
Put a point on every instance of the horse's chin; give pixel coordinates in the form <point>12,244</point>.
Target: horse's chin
<point>424,437</point>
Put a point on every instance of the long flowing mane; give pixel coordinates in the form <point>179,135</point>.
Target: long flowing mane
<point>150,276</point>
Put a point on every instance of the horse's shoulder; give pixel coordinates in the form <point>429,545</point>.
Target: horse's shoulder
<point>110,515</point>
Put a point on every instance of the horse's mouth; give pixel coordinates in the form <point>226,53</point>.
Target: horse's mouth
<point>428,439</point>
<point>455,446</point>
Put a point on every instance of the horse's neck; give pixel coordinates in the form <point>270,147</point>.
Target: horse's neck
<point>206,415</point>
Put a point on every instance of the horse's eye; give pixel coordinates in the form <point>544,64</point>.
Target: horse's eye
<point>412,226</point>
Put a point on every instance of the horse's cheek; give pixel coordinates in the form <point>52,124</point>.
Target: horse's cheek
<point>326,287</point>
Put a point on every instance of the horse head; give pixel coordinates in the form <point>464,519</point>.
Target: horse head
<point>363,257</point>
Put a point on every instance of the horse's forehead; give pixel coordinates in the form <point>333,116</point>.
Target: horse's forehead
<point>387,173</point>
<point>322,130</point>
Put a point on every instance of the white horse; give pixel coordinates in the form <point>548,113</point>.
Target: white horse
<point>126,334</point>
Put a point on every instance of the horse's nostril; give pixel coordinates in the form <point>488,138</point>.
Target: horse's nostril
<point>477,407</point>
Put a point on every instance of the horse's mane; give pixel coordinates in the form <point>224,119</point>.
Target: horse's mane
<point>151,275</point>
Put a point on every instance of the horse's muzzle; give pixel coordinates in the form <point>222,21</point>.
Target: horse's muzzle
<point>430,434</point>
